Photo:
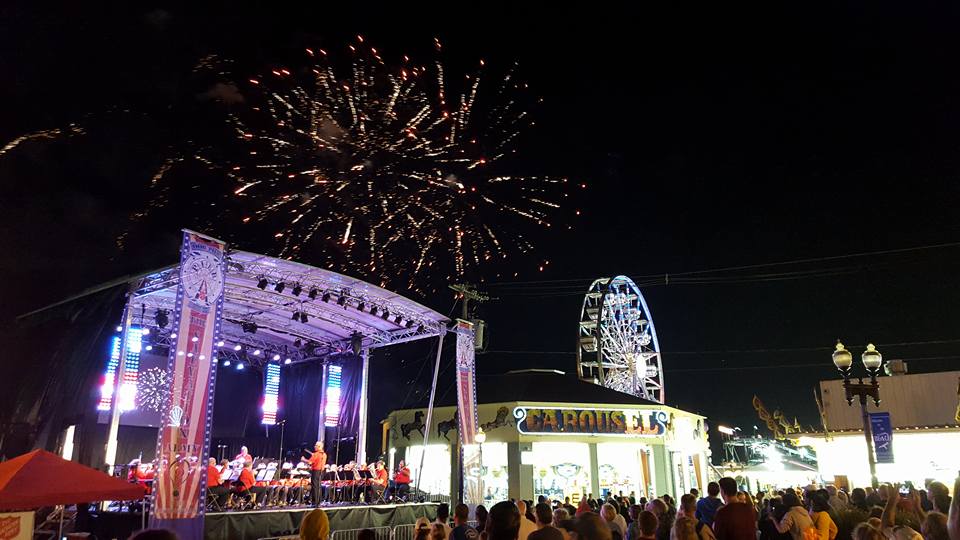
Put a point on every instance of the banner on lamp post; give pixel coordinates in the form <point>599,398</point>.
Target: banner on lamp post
<point>184,437</point>
<point>882,436</point>
<point>466,382</point>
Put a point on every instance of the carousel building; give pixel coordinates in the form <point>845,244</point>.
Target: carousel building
<point>553,434</point>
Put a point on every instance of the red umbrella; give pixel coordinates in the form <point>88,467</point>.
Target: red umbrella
<point>40,478</point>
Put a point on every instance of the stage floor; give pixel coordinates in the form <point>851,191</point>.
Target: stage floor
<point>256,524</point>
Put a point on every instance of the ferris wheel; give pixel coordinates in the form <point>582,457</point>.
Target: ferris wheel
<point>618,345</point>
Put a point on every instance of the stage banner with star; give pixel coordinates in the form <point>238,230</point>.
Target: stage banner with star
<point>184,437</point>
<point>466,382</point>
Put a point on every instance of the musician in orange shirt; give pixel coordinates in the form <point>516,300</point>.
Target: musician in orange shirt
<point>214,486</point>
<point>317,461</point>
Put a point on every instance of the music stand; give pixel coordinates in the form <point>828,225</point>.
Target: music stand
<point>366,479</point>
<point>332,477</point>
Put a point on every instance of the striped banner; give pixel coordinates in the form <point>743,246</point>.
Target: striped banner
<point>184,437</point>
<point>466,382</point>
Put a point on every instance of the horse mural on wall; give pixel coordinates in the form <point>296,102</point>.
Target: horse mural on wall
<point>502,419</point>
<point>416,425</point>
<point>443,428</point>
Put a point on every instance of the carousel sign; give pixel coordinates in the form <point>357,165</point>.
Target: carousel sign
<point>625,422</point>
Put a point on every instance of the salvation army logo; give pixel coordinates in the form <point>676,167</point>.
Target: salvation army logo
<point>9,527</point>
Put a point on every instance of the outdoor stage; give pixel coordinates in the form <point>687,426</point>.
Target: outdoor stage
<point>256,524</point>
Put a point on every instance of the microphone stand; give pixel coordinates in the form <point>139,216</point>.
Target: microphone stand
<point>282,423</point>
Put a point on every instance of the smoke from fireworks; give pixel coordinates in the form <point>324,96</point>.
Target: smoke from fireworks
<point>379,167</point>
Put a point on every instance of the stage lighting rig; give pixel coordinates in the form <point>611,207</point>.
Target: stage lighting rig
<point>279,286</point>
<point>162,318</point>
<point>262,283</point>
<point>361,305</point>
<point>297,289</point>
<point>326,297</point>
<point>249,327</point>
<point>342,301</point>
<point>313,293</point>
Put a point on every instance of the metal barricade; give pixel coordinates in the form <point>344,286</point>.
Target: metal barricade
<point>404,532</point>
<point>382,533</point>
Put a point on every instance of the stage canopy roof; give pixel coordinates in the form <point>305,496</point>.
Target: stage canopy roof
<point>282,307</point>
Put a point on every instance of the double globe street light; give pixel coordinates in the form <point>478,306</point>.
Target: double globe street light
<point>872,359</point>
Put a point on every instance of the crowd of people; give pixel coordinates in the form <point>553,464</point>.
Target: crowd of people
<point>891,512</point>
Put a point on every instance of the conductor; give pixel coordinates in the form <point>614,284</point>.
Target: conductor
<point>317,461</point>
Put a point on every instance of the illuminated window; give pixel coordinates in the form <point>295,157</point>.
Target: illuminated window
<point>332,409</point>
<point>271,393</point>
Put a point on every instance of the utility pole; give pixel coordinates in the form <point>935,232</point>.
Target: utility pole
<point>468,293</point>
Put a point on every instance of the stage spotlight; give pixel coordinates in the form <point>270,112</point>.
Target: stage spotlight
<point>194,339</point>
<point>398,319</point>
<point>276,357</point>
<point>249,327</point>
<point>220,343</point>
<point>356,342</point>
<point>386,314</point>
<point>240,366</point>
<point>409,324</point>
<point>257,352</point>
<point>119,329</point>
<point>161,318</point>
<point>342,301</point>
<point>279,286</point>
<point>373,310</point>
<point>262,283</point>
<point>149,347</point>
<point>297,343</point>
<point>173,335</point>
<point>287,361</point>
<point>144,331</point>
<point>296,316</point>
<point>303,317</point>
<point>226,363</point>
<point>237,347</point>
<point>420,328</point>
<point>313,293</point>
<point>360,306</point>
<point>297,289</point>
<point>326,297</point>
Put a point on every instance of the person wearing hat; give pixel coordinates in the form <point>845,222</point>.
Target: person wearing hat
<point>315,526</point>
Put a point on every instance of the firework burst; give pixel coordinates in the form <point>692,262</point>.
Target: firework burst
<point>383,168</point>
<point>153,386</point>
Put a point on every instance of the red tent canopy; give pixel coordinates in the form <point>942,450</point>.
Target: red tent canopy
<point>40,478</point>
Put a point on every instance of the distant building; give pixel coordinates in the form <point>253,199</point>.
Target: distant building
<point>926,434</point>
<point>552,434</point>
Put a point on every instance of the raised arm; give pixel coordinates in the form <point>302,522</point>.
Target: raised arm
<point>953,521</point>
<point>889,516</point>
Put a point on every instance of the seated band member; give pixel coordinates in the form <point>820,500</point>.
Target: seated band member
<point>214,486</point>
<point>400,485</point>
<point>317,461</point>
<point>245,482</point>
<point>378,482</point>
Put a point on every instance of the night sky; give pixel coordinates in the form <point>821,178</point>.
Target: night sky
<point>709,138</point>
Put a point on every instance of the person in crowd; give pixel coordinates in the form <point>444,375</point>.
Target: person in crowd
<point>953,517</point>
<point>609,514</point>
<point>940,497</point>
<point>683,529</point>
<point>480,514</point>
<point>529,513</point>
<point>154,534</point>
<point>367,534</point>
<point>664,521</point>
<point>875,498</point>
<point>560,515</point>
<point>437,532</point>
<point>633,529</point>
<point>888,520</point>
<point>590,526</point>
<point>734,520</point>
<point>858,499</point>
<point>583,507</point>
<point>214,486</point>
<point>315,525</point>
<point>865,531</point>
<point>423,533</point>
<point>461,530</point>
<point>707,507</point>
<point>820,514</point>
<point>647,525</point>
<point>925,503</point>
<point>833,499</point>
<point>503,522</point>
<point>934,527</point>
<point>796,520</point>
<point>545,529</point>
<point>571,510</point>
<point>526,526</point>
<point>443,516</point>
<point>688,509</point>
<point>772,508</point>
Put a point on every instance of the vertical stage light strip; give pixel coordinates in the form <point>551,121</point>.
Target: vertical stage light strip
<point>128,386</point>
<point>271,394</point>
<point>332,411</point>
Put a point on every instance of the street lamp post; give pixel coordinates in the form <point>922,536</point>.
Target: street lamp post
<point>480,437</point>
<point>871,361</point>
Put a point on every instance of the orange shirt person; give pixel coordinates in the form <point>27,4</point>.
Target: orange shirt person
<point>213,474</point>
<point>246,479</point>
<point>317,461</point>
